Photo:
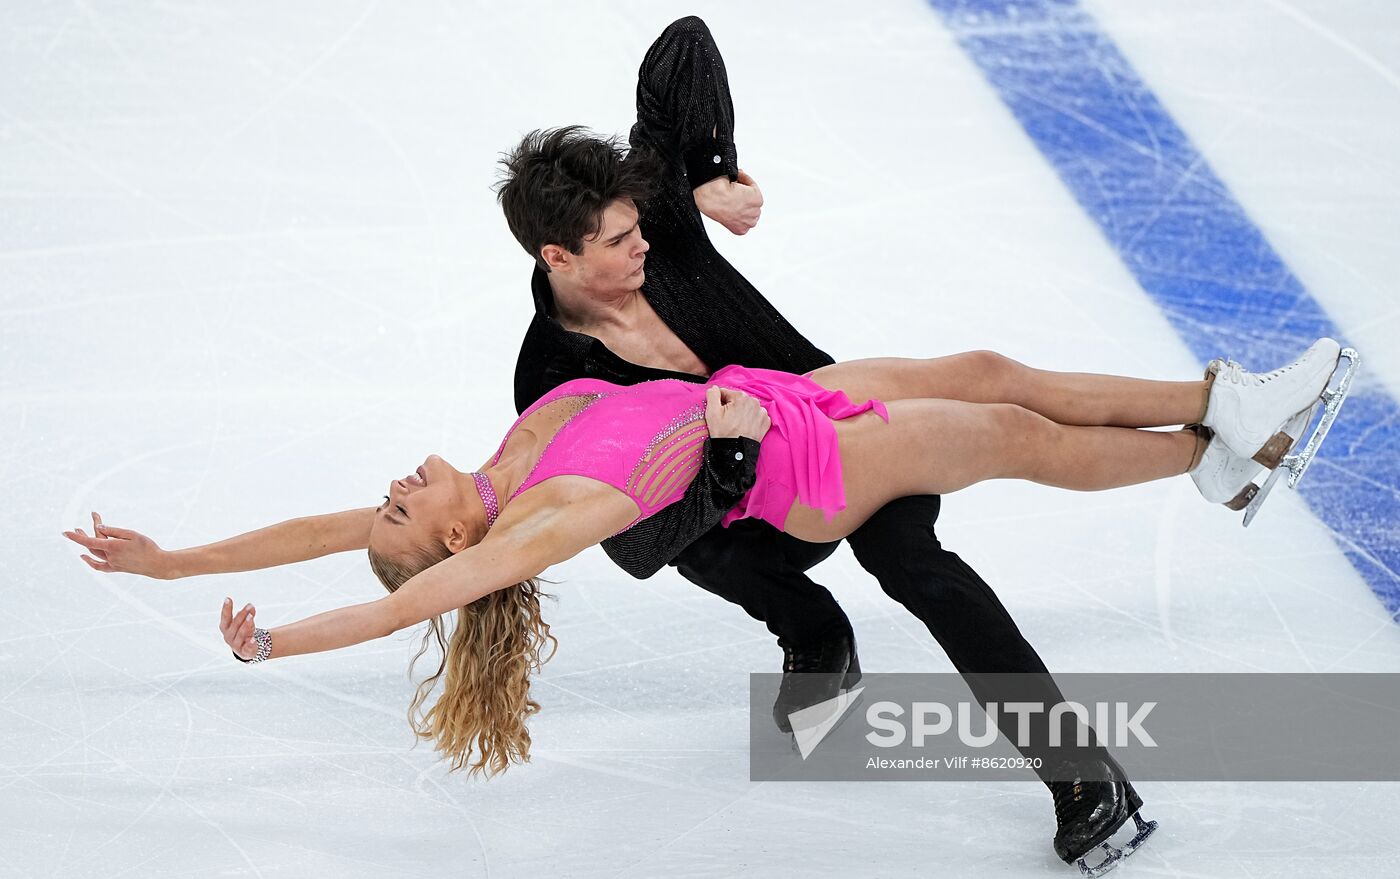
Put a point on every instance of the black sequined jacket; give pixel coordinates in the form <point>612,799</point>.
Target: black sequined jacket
<point>686,116</point>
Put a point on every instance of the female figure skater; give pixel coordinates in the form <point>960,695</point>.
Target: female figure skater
<point>590,458</point>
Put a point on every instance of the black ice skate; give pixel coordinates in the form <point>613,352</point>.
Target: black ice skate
<point>1295,465</point>
<point>1089,812</point>
<point>815,673</point>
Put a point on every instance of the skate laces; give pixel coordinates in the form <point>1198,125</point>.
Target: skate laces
<point>1236,374</point>
<point>813,657</point>
<point>801,660</point>
<point>1066,795</point>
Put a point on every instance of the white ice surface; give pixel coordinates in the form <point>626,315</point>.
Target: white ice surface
<point>251,268</point>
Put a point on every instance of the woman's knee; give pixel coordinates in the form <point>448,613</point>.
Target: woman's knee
<point>1026,438</point>
<point>995,376</point>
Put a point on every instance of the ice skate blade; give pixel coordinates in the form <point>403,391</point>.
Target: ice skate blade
<point>1332,400</point>
<point>1107,865</point>
<point>1294,466</point>
<point>1144,830</point>
<point>1257,501</point>
<point>1114,856</point>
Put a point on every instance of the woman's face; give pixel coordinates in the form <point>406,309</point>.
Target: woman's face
<point>428,505</point>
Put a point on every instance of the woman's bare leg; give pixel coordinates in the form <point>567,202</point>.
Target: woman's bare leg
<point>940,446</point>
<point>988,377</point>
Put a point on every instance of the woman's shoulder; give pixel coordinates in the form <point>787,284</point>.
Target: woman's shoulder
<point>575,387</point>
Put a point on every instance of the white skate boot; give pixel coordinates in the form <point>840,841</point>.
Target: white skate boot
<point>1294,465</point>
<point>1224,477</point>
<point>1245,409</point>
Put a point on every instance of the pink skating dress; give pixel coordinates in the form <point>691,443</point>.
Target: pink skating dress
<point>647,440</point>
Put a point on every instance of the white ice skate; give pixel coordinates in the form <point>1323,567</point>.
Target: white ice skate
<point>1293,465</point>
<point>1245,408</point>
<point>1224,477</point>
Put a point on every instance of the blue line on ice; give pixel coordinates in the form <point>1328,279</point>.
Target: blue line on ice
<point>1179,231</point>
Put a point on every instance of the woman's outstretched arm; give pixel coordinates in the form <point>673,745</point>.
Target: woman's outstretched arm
<point>121,550</point>
<point>546,525</point>
<point>452,583</point>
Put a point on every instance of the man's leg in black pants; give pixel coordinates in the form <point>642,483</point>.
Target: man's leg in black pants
<point>761,569</point>
<point>899,547</point>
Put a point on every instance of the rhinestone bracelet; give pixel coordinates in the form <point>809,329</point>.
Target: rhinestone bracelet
<point>263,638</point>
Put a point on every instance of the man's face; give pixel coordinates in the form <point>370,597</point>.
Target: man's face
<point>612,260</point>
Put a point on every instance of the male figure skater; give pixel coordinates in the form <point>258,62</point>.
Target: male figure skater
<point>628,288</point>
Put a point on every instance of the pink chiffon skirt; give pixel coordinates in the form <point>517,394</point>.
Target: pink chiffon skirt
<point>798,458</point>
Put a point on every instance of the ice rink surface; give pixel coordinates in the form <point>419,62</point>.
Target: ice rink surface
<point>251,268</point>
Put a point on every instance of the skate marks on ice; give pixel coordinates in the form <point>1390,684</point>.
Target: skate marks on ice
<point>295,770</point>
<point>1190,245</point>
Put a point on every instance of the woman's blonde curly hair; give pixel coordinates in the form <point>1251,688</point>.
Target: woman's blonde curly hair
<point>478,721</point>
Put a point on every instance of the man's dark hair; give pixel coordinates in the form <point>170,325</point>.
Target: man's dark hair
<point>556,184</point>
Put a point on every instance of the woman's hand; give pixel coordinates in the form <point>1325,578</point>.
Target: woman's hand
<point>237,629</point>
<point>118,550</point>
<point>734,413</point>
